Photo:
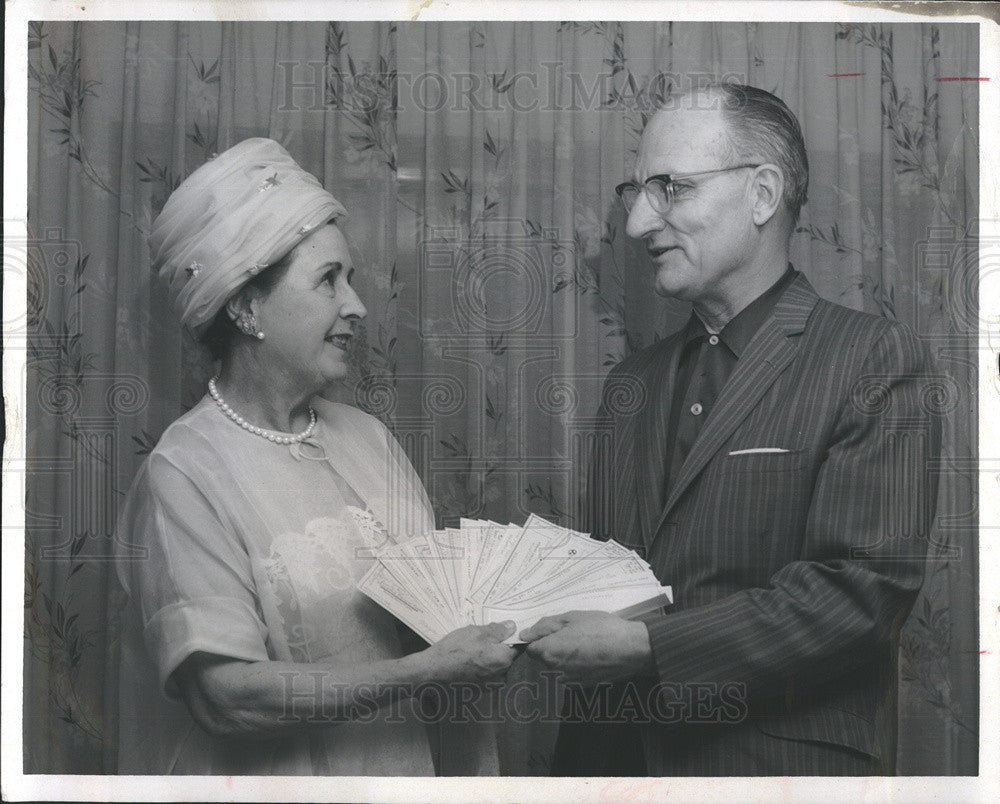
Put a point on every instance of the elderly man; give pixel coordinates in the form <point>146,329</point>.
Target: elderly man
<point>778,474</point>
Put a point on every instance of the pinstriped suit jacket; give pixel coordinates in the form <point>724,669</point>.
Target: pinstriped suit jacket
<point>791,570</point>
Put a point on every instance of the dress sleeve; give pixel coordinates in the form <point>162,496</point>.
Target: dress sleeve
<point>192,584</point>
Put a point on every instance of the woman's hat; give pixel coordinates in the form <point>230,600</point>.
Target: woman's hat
<point>235,215</point>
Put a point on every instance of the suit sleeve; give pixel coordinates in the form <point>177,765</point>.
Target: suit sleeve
<point>862,565</point>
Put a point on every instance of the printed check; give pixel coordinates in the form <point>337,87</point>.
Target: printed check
<point>485,572</point>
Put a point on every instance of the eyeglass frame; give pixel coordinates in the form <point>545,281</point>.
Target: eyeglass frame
<point>668,179</point>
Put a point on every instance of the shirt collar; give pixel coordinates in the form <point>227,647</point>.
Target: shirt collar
<point>740,329</point>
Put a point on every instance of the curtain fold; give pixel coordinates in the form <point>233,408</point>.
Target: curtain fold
<point>477,161</point>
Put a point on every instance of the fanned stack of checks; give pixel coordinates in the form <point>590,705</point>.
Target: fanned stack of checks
<point>484,572</point>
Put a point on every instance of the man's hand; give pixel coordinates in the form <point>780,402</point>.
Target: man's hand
<point>591,646</point>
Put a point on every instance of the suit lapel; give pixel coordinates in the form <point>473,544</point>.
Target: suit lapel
<point>767,355</point>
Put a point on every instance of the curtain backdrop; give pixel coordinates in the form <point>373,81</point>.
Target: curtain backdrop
<point>477,161</point>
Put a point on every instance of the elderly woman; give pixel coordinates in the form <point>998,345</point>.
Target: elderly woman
<point>246,647</point>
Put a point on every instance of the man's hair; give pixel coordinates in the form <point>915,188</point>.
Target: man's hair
<point>764,129</point>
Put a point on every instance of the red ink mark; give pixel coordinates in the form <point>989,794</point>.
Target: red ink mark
<point>981,652</point>
<point>961,78</point>
<point>845,75</point>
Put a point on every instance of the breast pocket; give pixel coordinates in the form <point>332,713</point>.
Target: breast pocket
<point>746,461</point>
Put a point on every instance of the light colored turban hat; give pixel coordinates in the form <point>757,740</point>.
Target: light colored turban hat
<point>235,215</point>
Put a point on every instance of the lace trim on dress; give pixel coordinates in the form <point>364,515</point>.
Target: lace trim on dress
<point>306,569</point>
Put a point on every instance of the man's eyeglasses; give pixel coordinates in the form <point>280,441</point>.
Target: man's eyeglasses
<point>660,189</point>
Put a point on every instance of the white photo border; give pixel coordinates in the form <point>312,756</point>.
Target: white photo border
<point>18,786</point>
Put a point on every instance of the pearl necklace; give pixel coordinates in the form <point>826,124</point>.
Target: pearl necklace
<point>270,435</point>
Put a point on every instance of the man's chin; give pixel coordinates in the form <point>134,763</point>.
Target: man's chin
<point>662,291</point>
<point>669,285</point>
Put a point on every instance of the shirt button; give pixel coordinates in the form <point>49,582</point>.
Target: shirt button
<point>696,409</point>
<point>714,339</point>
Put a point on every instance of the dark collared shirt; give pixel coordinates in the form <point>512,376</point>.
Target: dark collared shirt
<point>705,364</point>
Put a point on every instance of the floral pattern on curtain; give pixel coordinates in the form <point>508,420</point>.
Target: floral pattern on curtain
<point>477,161</point>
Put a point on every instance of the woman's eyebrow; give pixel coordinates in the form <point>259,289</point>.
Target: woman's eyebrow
<point>336,266</point>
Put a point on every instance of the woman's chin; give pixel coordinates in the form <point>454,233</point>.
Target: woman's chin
<point>318,376</point>
<point>335,370</point>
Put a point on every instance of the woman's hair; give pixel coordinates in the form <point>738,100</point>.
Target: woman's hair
<point>222,332</point>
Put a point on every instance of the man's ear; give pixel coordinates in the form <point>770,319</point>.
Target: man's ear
<point>768,187</point>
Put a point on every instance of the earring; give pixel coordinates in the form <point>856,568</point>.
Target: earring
<point>247,324</point>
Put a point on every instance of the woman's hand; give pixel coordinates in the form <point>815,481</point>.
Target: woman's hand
<point>472,653</point>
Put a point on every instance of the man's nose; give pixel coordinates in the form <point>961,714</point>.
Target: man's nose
<point>643,219</point>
